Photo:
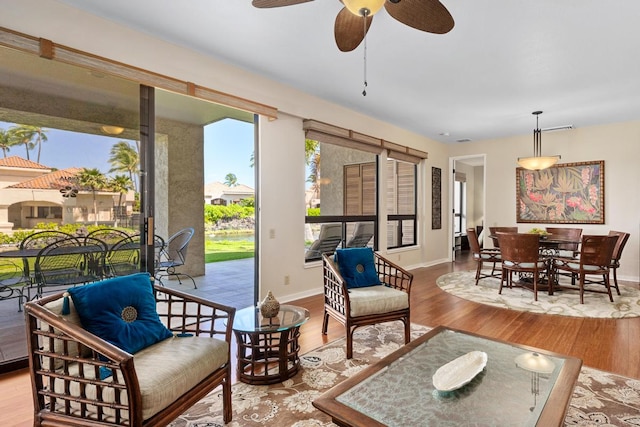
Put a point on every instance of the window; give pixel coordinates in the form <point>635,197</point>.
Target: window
<point>344,192</point>
<point>341,198</point>
<point>401,204</point>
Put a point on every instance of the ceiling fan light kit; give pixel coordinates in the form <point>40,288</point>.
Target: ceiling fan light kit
<point>537,162</point>
<point>363,7</point>
<point>353,21</point>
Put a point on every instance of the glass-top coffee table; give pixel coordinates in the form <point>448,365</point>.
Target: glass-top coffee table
<point>268,349</point>
<point>398,390</point>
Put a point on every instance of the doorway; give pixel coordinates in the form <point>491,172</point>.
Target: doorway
<point>467,199</point>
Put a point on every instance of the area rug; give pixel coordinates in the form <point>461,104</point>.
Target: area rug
<point>564,302</point>
<point>599,399</point>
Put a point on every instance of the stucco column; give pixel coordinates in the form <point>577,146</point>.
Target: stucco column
<point>180,186</point>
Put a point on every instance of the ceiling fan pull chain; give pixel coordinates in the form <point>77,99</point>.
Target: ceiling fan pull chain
<point>364,20</point>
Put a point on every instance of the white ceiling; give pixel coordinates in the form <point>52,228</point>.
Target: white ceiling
<point>577,60</point>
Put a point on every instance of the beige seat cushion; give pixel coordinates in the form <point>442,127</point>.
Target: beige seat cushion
<point>376,300</point>
<point>166,371</point>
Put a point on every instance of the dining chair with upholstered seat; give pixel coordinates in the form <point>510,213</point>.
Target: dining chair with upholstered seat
<point>570,248</point>
<point>617,254</point>
<point>482,256</point>
<point>363,288</point>
<point>520,254</point>
<point>594,259</point>
<point>493,233</point>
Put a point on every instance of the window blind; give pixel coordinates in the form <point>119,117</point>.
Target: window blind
<point>323,132</point>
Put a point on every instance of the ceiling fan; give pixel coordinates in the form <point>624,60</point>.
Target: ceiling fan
<point>425,15</point>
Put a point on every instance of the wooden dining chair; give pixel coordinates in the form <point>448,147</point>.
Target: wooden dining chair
<point>520,254</point>
<point>617,254</point>
<point>482,256</point>
<point>493,233</point>
<point>595,257</point>
<point>571,234</point>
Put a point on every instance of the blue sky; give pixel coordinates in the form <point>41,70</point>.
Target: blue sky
<point>227,149</point>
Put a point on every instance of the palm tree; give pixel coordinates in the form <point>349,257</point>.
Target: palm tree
<point>5,141</point>
<point>94,180</point>
<point>121,184</point>
<point>25,134</point>
<point>312,155</point>
<point>125,158</point>
<point>230,180</point>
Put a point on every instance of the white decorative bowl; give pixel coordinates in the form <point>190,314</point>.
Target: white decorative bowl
<point>460,371</point>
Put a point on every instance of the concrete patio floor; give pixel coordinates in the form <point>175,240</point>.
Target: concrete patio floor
<point>229,283</point>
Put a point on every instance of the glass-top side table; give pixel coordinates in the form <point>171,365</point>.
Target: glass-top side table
<point>268,349</point>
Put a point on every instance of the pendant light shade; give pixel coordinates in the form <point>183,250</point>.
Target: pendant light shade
<point>363,7</point>
<point>537,162</point>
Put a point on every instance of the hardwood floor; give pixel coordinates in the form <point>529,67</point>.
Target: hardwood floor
<point>606,344</point>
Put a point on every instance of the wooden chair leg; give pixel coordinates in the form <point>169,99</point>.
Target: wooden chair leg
<point>325,322</point>
<point>501,282</point>
<point>227,412</point>
<point>607,283</point>
<point>350,342</point>
<point>478,271</point>
<point>615,280</point>
<point>407,331</point>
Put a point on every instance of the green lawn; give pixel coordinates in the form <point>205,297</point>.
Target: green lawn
<point>227,250</point>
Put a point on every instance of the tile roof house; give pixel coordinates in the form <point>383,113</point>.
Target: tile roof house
<point>218,193</point>
<point>32,193</point>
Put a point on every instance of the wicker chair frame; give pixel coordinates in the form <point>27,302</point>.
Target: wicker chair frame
<point>337,303</point>
<point>72,345</point>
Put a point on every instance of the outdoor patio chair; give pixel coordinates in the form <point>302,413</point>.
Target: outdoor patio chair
<point>69,262</point>
<point>482,256</point>
<point>362,235</point>
<point>364,289</point>
<point>108,235</point>
<point>12,282</point>
<point>328,240</point>
<point>174,255</point>
<point>123,257</point>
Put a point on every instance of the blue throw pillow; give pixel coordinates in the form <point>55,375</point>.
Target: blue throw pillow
<point>357,267</point>
<point>122,311</point>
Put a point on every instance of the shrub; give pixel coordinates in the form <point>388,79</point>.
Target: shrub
<point>313,212</point>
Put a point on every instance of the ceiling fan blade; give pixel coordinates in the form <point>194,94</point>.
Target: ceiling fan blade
<point>349,30</point>
<point>426,15</point>
<point>263,4</point>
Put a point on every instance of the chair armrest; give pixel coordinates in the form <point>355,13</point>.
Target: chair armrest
<point>393,275</point>
<point>336,294</point>
<point>64,356</point>
<point>183,313</point>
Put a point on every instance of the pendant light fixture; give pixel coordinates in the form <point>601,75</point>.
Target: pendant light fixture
<point>537,162</point>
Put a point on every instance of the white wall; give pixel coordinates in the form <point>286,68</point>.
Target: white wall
<point>617,144</point>
<point>281,157</point>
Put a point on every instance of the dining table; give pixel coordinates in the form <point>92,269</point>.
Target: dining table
<point>549,247</point>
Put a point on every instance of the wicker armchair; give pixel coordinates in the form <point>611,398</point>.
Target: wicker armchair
<point>353,307</point>
<point>66,363</point>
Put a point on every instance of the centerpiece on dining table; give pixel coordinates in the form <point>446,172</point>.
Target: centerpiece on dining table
<point>540,232</point>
